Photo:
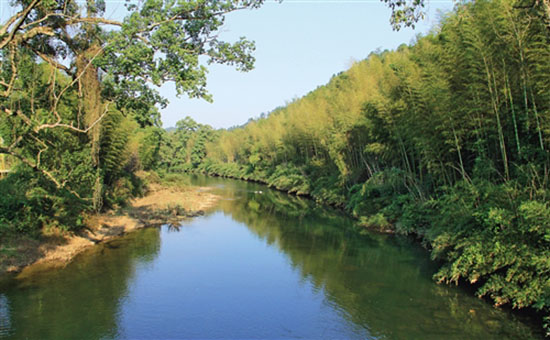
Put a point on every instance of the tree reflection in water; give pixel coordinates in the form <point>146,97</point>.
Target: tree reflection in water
<point>382,283</point>
<point>85,295</point>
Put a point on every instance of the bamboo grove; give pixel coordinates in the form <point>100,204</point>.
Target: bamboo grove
<point>446,139</point>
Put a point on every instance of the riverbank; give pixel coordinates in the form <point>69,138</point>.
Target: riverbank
<point>463,229</point>
<point>161,205</point>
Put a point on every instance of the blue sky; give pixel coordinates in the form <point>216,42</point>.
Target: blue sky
<point>300,44</point>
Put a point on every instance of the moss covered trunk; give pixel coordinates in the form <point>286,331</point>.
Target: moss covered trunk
<point>90,91</point>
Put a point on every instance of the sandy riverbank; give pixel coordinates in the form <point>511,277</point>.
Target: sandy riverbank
<point>161,205</point>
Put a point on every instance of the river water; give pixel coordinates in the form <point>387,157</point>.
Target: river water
<point>261,265</point>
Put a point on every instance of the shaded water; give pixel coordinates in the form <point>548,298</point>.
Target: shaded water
<point>262,264</point>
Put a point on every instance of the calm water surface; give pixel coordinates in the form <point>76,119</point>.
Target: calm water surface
<point>261,264</point>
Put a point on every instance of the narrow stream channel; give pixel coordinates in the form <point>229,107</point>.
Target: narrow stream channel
<point>262,264</point>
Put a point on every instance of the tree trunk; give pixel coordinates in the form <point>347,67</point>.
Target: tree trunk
<point>90,91</point>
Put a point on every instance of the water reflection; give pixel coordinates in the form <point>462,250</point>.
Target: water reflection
<point>81,300</point>
<point>381,283</point>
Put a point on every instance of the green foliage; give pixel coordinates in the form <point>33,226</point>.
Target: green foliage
<point>131,54</point>
<point>376,221</point>
<point>185,147</point>
<point>377,193</point>
<point>405,13</point>
<point>114,138</point>
<point>290,179</point>
<point>494,234</point>
<point>29,203</point>
<point>149,141</point>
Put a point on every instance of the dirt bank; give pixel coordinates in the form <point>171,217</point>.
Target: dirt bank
<point>161,205</point>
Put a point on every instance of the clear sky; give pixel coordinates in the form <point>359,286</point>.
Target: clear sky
<point>300,44</point>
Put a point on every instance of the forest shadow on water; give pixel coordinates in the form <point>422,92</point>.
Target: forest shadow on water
<point>81,300</point>
<point>380,282</point>
<point>262,264</point>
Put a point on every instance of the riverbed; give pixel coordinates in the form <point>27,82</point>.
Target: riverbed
<point>260,264</point>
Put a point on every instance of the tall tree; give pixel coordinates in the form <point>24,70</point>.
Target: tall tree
<point>111,62</point>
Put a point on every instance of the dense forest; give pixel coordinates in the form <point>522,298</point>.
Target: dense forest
<point>446,140</point>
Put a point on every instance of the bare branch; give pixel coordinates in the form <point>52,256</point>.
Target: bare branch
<point>34,32</point>
<point>13,71</point>
<point>44,18</point>
<point>21,16</point>
<point>19,113</point>
<point>50,61</point>
<point>93,20</point>
<point>70,126</point>
<point>8,23</point>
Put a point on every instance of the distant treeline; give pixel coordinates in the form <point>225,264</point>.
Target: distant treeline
<point>446,139</point>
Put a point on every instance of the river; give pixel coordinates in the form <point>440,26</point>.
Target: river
<point>261,264</point>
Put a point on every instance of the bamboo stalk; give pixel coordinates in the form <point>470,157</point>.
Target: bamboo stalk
<point>509,92</point>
